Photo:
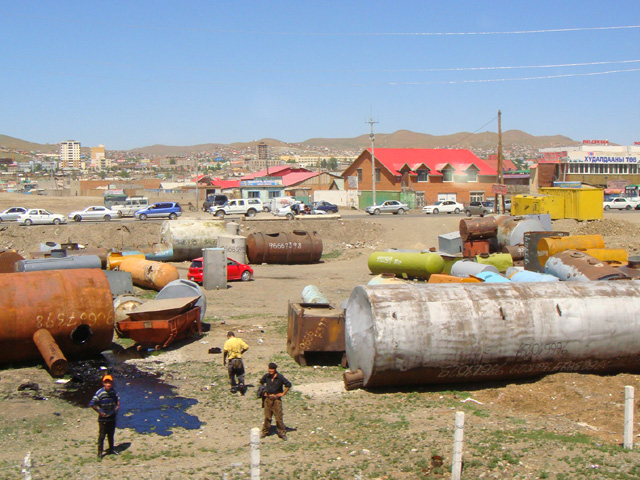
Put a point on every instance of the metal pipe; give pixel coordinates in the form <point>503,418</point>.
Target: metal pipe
<point>51,353</point>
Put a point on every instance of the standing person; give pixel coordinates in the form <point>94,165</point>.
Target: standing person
<point>233,350</point>
<point>277,387</point>
<point>106,402</point>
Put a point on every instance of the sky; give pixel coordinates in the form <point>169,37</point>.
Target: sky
<point>130,74</point>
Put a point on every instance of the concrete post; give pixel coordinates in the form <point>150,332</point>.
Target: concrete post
<point>458,436</point>
<point>255,453</point>
<point>629,396</point>
<point>214,269</point>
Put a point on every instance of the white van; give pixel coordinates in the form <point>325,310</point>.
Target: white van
<point>280,202</point>
<point>131,206</point>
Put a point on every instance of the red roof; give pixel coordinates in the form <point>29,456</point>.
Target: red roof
<point>297,177</point>
<point>435,159</point>
<point>225,183</point>
<point>507,165</point>
<point>272,171</point>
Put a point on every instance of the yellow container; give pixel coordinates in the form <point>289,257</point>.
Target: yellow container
<point>537,205</point>
<point>609,255</point>
<point>501,261</point>
<point>444,278</point>
<point>579,203</point>
<point>115,259</point>
<point>551,245</point>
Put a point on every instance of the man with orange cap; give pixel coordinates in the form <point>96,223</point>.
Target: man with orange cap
<point>106,402</point>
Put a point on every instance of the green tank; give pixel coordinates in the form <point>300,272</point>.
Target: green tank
<point>501,261</point>
<point>406,264</point>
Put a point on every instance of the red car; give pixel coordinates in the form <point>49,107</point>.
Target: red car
<point>235,271</point>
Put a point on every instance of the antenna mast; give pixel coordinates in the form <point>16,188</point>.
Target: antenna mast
<point>373,162</point>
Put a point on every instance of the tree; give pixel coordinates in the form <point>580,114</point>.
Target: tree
<point>333,163</point>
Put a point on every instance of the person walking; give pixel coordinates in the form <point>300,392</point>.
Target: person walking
<point>106,402</point>
<point>232,357</point>
<point>277,387</point>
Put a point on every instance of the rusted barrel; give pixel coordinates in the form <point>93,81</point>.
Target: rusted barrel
<point>426,334</point>
<point>516,251</point>
<point>578,266</point>
<point>478,228</point>
<point>147,273</point>
<point>8,259</point>
<point>75,306</point>
<point>551,245</point>
<point>284,248</point>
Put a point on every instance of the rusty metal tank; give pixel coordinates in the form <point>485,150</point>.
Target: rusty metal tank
<point>516,251</point>
<point>551,245</point>
<point>632,268</point>
<point>147,273</point>
<point>187,238</point>
<point>297,247</point>
<point>8,260</point>
<point>614,256</point>
<point>406,264</point>
<point>478,228</point>
<point>575,265</point>
<point>315,333</point>
<point>426,334</point>
<point>75,306</point>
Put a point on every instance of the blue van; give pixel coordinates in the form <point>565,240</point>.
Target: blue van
<point>170,210</point>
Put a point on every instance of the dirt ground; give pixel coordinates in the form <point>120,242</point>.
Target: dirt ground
<point>560,426</point>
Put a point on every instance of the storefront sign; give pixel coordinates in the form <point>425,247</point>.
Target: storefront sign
<point>499,189</point>
<point>603,159</point>
<point>595,142</point>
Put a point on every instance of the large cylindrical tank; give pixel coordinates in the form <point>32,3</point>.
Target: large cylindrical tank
<point>74,305</point>
<point>614,256</point>
<point>102,253</point>
<point>575,265</point>
<point>501,261</point>
<point>147,273</point>
<point>478,228</point>
<point>527,276</point>
<point>465,268</point>
<point>284,248</point>
<point>8,260</point>
<point>551,245</point>
<point>406,265</point>
<point>312,294</point>
<point>235,246</point>
<point>516,251</point>
<point>64,263</point>
<point>511,230</point>
<point>423,334</point>
<point>632,268</point>
<point>189,237</point>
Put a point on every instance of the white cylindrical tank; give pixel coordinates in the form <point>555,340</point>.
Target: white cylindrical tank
<point>438,333</point>
<point>189,237</point>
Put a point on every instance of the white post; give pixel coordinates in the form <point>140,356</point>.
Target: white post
<point>629,395</point>
<point>27,466</point>
<point>255,453</point>
<point>458,436</point>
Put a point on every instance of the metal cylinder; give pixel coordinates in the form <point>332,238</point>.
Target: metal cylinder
<point>8,260</point>
<point>406,265</point>
<point>492,277</point>
<point>296,247</point>
<point>123,304</point>
<point>609,255</point>
<point>187,238</point>
<point>312,294</point>
<point>466,268</point>
<point>75,306</point>
<point>549,246</point>
<point>516,251</point>
<point>50,352</point>
<point>478,228</point>
<point>147,273</point>
<point>632,269</point>
<point>577,266</point>
<point>102,253</point>
<point>115,258</point>
<point>511,230</point>
<point>423,334</point>
<point>64,263</point>
<point>182,288</point>
<point>501,261</point>
<point>527,276</point>
<point>235,247</point>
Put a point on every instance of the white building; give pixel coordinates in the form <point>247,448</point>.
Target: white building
<point>70,155</point>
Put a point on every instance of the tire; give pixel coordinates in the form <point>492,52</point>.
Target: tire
<point>28,222</point>
<point>456,211</point>
<point>607,207</point>
<point>401,211</point>
<point>290,216</point>
<point>142,216</point>
<point>376,211</point>
<point>468,213</point>
<point>628,207</point>
<point>436,211</point>
<point>56,221</point>
<point>251,213</point>
<point>172,216</point>
<point>120,214</point>
<point>77,218</point>
<point>107,218</point>
<point>219,214</point>
<point>483,213</point>
<point>246,276</point>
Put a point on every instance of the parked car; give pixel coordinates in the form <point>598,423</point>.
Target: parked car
<point>479,208</point>
<point>214,200</point>
<point>277,203</point>
<point>170,210</point>
<point>94,213</point>
<point>131,205</point>
<point>297,208</point>
<point>38,216</point>
<point>238,206</point>
<point>12,214</point>
<point>443,206</point>
<point>325,206</point>
<point>390,206</point>
<point>619,203</point>
<point>235,271</point>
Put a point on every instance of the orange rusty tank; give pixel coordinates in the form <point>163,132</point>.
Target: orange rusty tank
<point>147,273</point>
<point>297,247</point>
<point>75,306</point>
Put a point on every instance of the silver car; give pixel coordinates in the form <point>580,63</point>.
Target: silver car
<point>94,213</point>
<point>38,216</point>
<point>390,206</point>
<point>12,214</point>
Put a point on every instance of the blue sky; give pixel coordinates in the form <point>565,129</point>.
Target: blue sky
<point>137,73</point>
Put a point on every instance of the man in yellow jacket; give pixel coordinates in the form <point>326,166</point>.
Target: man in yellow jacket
<point>232,357</point>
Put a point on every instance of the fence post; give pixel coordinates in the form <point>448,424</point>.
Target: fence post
<point>458,436</point>
<point>254,439</point>
<point>629,395</point>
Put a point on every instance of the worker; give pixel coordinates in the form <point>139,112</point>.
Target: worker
<point>233,349</point>
<point>106,402</point>
<point>277,387</point>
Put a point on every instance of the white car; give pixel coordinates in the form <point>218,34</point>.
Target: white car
<point>94,213</point>
<point>443,206</point>
<point>390,206</point>
<point>298,209</point>
<point>620,203</point>
<point>12,214</point>
<point>38,216</point>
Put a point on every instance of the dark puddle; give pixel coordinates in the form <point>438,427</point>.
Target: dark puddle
<point>147,404</point>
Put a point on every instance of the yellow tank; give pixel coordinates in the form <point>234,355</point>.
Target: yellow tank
<point>549,246</point>
<point>444,278</point>
<point>115,258</point>
<point>147,273</point>
<point>609,255</point>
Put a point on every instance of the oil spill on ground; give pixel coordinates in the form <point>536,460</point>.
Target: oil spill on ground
<point>147,404</point>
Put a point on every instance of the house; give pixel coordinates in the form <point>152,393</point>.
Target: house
<point>424,174</point>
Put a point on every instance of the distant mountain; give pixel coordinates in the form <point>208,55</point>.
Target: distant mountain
<point>398,139</point>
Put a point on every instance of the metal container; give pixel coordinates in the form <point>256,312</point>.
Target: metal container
<point>501,261</point>
<point>64,263</point>
<point>526,276</point>
<point>235,247</point>
<point>424,334</point>
<point>406,265</point>
<point>182,288</point>
<point>632,269</point>
<point>315,334</point>
<point>74,306</point>
<point>444,278</point>
<point>578,266</point>
<point>466,268</point>
<point>537,204</point>
<point>614,256</point>
<point>297,247</point>
<point>551,245</point>
<point>511,230</point>
<point>516,251</point>
<point>187,238</point>
<point>478,228</point>
<point>492,277</point>
<point>471,248</point>
<point>450,243</point>
<point>8,260</point>
<point>580,203</point>
<point>73,250</point>
<point>531,240</point>
<point>123,304</point>
<point>147,273</point>
<point>161,332</point>
<point>312,294</point>
<point>115,258</point>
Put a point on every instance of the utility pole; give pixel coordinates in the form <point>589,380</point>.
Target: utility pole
<point>373,162</point>
<point>197,196</point>
<point>500,197</point>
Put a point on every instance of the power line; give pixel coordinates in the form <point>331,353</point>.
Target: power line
<point>473,133</point>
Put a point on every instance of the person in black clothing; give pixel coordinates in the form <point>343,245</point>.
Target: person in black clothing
<point>277,387</point>
<point>106,402</point>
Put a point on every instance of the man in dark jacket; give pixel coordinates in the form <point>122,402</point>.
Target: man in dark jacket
<point>277,387</point>
<point>106,403</point>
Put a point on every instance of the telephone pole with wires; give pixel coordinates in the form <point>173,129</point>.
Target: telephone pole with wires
<point>373,162</point>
